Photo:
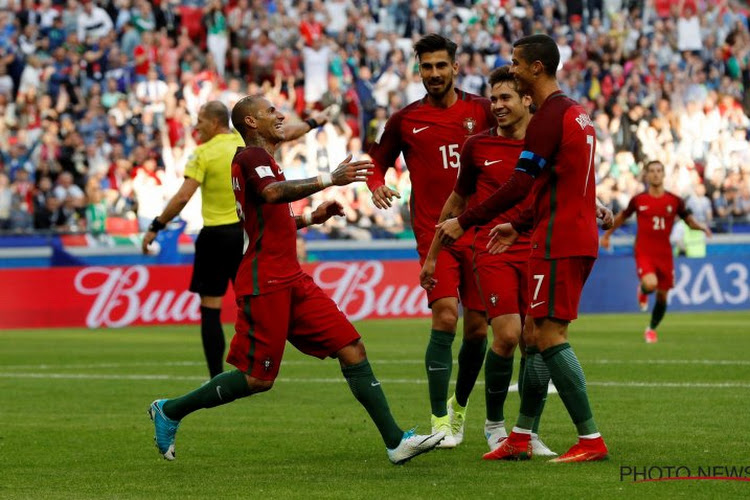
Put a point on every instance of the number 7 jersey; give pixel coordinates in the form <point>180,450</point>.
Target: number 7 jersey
<point>560,145</point>
<point>431,139</point>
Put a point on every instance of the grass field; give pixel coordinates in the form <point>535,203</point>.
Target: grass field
<point>73,418</point>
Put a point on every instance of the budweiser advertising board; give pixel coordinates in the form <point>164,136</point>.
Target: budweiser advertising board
<point>113,297</point>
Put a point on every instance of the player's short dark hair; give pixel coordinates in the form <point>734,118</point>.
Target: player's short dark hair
<point>217,111</point>
<point>244,107</point>
<point>501,75</point>
<point>648,164</point>
<point>435,43</point>
<point>540,48</point>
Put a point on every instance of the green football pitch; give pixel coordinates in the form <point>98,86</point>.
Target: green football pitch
<point>73,420</point>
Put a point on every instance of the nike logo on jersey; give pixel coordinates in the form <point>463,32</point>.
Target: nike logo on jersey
<point>375,384</point>
<point>535,304</point>
<point>642,208</point>
<point>416,130</point>
<point>487,163</point>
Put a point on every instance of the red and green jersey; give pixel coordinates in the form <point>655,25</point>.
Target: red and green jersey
<point>487,162</point>
<point>430,139</point>
<point>270,250</point>
<point>655,216</point>
<point>559,151</point>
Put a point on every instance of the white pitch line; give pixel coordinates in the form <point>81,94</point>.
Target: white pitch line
<point>376,362</point>
<point>512,388</point>
<point>722,362</point>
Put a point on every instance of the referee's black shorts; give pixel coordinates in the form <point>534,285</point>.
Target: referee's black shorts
<point>218,252</point>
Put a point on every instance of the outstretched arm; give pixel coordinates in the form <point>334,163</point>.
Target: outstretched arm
<point>296,130</point>
<point>347,172</point>
<point>174,207</point>
<point>694,224</point>
<point>619,221</point>
<point>507,196</point>
<point>325,211</point>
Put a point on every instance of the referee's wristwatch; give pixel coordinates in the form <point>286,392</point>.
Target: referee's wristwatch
<point>156,225</point>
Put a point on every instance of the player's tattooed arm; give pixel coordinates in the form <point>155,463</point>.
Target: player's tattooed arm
<point>347,172</point>
<point>286,191</point>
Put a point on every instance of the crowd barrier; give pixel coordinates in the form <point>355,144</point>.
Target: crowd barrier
<point>118,296</point>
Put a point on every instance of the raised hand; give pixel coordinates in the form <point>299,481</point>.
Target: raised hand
<point>324,116</point>
<point>350,171</point>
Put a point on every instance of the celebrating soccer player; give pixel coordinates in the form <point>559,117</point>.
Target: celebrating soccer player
<point>276,300</point>
<point>430,133</point>
<point>487,161</point>
<point>655,209</point>
<point>556,165</point>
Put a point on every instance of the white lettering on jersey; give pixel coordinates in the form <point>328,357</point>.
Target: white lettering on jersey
<point>583,120</point>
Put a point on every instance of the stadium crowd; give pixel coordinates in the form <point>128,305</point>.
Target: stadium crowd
<point>98,98</point>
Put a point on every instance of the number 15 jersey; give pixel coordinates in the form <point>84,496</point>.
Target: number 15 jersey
<point>431,139</point>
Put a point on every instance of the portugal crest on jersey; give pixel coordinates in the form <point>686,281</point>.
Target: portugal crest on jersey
<point>470,124</point>
<point>669,209</point>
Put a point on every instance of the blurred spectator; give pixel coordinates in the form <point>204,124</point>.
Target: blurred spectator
<point>93,22</point>
<point>100,87</point>
<point>217,40</point>
<point>6,200</point>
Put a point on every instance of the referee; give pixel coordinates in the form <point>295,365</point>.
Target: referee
<point>218,248</point>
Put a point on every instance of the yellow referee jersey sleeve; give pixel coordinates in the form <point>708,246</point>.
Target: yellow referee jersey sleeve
<point>211,166</point>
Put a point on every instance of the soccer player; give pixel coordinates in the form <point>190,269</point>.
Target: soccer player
<point>487,161</point>
<point>556,165</point>
<point>276,300</point>
<point>655,209</point>
<point>430,133</point>
<point>214,265</point>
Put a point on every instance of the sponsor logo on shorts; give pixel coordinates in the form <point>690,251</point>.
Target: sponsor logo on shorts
<point>535,304</point>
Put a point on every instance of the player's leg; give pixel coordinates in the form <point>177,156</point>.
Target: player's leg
<point>534,399</point>
<point>498,370</point>
<point>320,329</point>
<point>660,308</point>
<point>256,350</point>
<point>648,280</point>
<point>213,268</point>
<point>439,364</point>
<point>470,359</point>
<point>566,278</point>
<point>401,446</point>
<point>212,334</point>
<point>443,301</point>
<point>473,345</point>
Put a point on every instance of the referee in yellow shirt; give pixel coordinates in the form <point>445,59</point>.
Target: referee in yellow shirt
<point>218,248</point>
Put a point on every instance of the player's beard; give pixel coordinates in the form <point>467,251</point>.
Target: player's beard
<point>438,94</point>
